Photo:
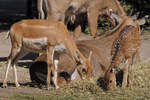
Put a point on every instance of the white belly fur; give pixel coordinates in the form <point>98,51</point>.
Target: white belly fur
<point>35,45</point>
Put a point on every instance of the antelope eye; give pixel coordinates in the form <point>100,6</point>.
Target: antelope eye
<point>110,81</point>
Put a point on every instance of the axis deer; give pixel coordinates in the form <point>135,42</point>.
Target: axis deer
<point>43,36</point>
<point>124,49</point>
<point>93,7</point>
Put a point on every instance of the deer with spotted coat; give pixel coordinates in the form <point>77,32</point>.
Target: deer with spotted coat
<point>43,36</point>
<point>124,49</point>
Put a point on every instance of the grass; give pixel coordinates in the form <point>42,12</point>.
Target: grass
<point>89,90</point>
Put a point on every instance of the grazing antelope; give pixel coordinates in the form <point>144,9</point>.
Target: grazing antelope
<point>93,9</point>
<point>124,49</point>
<point>43,36</point>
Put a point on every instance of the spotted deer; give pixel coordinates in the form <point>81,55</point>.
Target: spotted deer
<point>43,36</point>
<point>124,49</point>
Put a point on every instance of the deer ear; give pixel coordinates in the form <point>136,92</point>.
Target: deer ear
<point>142,21</point>
<point>90,55</point>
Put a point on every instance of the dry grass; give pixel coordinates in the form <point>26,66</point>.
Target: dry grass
<point>89,90</point>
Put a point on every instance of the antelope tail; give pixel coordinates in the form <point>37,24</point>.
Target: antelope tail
<point>8,34</point>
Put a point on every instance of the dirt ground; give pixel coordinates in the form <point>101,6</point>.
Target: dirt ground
<point>23,72</point>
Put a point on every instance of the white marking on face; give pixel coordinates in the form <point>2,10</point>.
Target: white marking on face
<point>74,75</point>
<point>35,45</point>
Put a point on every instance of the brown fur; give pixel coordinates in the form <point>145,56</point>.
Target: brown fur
<point>55,33</point>
<point>93,7</point>
<point>102,47</point>
<point>124,48</point>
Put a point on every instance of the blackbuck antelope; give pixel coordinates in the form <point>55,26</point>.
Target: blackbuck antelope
<point>124,49</point>
<point>94,8</point>
<point>43,36</point>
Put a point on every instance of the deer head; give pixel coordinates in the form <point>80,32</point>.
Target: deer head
<point>110,78</point>
<point>84,68</point>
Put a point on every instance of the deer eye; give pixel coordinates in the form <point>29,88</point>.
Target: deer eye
<point>110,81</point>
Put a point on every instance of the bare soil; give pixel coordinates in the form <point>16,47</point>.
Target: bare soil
<point>23,70</point>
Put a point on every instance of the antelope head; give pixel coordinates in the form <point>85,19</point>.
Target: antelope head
<point>84,68</point>
<point>110,78</point>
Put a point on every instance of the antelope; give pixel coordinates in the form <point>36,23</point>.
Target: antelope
<point>43,36</point>
<point>93,7</point>
<point>124,49</point>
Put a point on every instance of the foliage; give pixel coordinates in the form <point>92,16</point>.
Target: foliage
<point>134,6</point>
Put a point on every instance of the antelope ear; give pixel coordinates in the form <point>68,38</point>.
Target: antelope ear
<point>90,55</point>
<point>142,21</point>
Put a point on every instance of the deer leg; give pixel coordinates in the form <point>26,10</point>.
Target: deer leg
<point>125,73</point>
<point>77,31</point>
<point>20,55</point>
<point>92,20</point>
<point>40,9</point>
<point>13,54</point>
<point>50,53</point>
<point>133,68</point>
<point>56,60</point>
<point>6,73</point>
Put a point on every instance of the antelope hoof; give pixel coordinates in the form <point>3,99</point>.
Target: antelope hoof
<point>4,85</point>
